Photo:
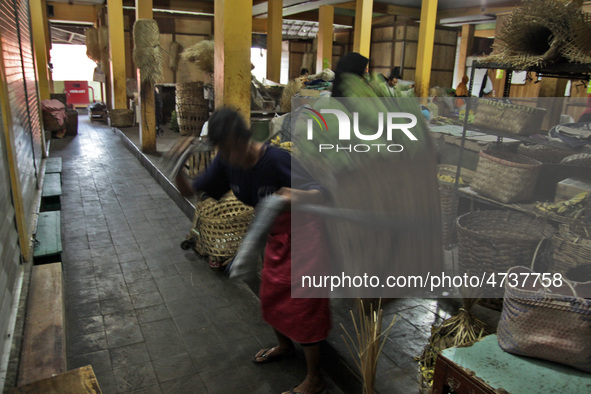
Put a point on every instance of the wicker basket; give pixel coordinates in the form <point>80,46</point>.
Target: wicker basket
<point>506,177</point>
<point>543,153</point>
<point>571,248</point>
<point>121,118</point>
<point>191,107</point>
<point>220,225</point>
<point>449,200</point>
<point>50,123</point>
<point>510,118</point>
<point>494,241</point>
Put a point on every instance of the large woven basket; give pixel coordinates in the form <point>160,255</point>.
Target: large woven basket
<point>506,177</point>
<point>543,153</point>
<point>510,118</point>
<point>571,248</point>
<point>191,107</point>
<point>496,240</point>
<point>220,225</point>
<point>449,199</point>
<point>121,118</point>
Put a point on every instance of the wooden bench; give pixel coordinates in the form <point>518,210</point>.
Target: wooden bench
<point>53,165</point>
<point>485,368</point>
<point>48,239</point>
<point>52,190</point>
<point>44,343</point>
<point>76,381</point>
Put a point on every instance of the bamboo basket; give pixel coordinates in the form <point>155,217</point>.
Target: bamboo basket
<point>510,118</point>
<point>121,118</point>
<point>192,108</point>
<point>506,177</point>
<point>219,226</point>
<point>448,198</point>
<point>543,153</point>
<point>571,248</point>
<point>494,241</point>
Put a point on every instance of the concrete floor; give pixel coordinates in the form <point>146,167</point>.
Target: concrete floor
<point>153,318</point>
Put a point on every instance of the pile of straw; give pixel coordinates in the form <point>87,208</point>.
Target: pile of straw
<point>293,87</point>
<point>460,329</point>
<point>173,55</point>
<point>543,31</point>
<point>147,54</point>
<point>93,50</point>
<point>202,55</point>
<point>368,343</point>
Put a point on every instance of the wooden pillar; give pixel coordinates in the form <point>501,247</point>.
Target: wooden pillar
<point>425,47</point>
<point>117,54</point>
<point>143,10</point>
<point>325,34</point>
<point>10,147</point>
<point>232,41</point>
<point>554,88</point>
<point>40,46</point>
<point>466,44</point>
<point>274,38</point>
<point>362,34</point>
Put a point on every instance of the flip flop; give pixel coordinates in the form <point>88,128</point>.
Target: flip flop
<point>269,359</point>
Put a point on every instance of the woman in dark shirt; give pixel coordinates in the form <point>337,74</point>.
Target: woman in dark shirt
<point>253,171</point>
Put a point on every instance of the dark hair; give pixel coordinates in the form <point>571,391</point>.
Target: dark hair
<point>304,71</point>
<point>353,63</point>
<point>227,123</point>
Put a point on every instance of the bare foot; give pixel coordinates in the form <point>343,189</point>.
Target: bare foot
<point>273,354</point>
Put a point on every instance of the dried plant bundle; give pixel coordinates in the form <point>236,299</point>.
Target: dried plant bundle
<point>202,55</point>
<point>147,53</point>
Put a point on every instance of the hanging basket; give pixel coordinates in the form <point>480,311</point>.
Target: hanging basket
<point>192,108</point>
<point>494,241</point>
<point>219,226</point>
<point>506,177</point>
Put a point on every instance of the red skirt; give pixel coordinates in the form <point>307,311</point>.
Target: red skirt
<point>304,320</point>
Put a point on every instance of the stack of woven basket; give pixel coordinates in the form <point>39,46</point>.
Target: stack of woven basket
<point>192,108</point>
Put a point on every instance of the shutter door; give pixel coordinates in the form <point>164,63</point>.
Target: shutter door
<point>20,79</point>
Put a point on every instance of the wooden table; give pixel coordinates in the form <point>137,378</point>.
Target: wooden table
<point>485,368</point>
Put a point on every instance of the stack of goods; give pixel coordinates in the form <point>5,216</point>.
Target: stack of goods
<point>544,31</point>
<point>506,177</point>
<point>192,108</point>
<point>575,208</point>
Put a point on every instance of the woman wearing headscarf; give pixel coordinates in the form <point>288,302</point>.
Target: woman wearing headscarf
<point>352,63</point>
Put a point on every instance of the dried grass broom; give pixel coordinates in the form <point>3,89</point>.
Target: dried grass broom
<point>368,343</point>
<point>202,55</point>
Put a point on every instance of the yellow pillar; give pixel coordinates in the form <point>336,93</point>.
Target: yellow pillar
<point>117,53</point>
<point>39,42</point>
<point>425,47</point>
<point>466,44</point>
<point>362,34</point>
<point>274,38</point>
<point>232,41</point>
<point>143,10</point>
<point>325,33</point>
<point>10,147</point>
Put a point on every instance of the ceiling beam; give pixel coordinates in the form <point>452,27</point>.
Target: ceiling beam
<point>73,12</point>
<point>469,11</point>
<point>312,16</point>
<point>387,9</point>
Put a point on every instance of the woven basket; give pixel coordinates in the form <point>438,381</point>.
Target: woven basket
<point>50,123</point>
<point>494,241</point>
<point>506,177</point>
<point>510,118</point>
<point>580,159</point>
<point>192,108</point>
<point>220,225</point>
<point>543,153</point>
<point>121,118</point>
<point>571,248</point>
<point>449,200</point>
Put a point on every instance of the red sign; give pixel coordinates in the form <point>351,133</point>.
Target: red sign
<point>77,92</point>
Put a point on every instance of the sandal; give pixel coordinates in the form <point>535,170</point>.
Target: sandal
<point>266,358</point>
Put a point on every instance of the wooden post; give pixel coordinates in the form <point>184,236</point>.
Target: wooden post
<point>117,54</point>
<point>466,44</point>
<point>143,10</point>
<point>425,47</point>
<point>15,184</point>
<point>274,38</point>
<point>40,47</point>
<point>362,34</point>
<point>325,33</point>
<point>232,41</point>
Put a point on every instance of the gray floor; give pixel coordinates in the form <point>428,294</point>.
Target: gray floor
<point>153,318</point>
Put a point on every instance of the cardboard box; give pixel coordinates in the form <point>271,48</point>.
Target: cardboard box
<point>570,187</point>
